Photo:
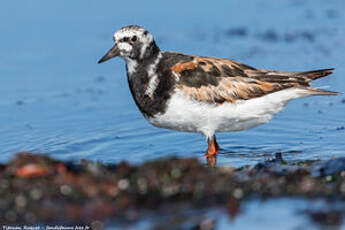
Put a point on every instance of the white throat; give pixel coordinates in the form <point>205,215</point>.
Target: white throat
<point>131,65</point>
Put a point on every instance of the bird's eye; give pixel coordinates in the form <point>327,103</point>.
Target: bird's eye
<point>125,39</point>
<point>134,38</point>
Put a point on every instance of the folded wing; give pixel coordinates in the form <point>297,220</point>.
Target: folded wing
<point>217,80</point>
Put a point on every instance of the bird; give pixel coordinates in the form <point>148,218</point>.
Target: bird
<point>206,95</point>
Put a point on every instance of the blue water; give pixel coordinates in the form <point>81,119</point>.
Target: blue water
<point>55,98</point>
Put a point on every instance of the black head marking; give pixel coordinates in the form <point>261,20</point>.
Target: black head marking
<point>139,43</point>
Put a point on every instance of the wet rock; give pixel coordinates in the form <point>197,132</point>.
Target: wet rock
<point>328,168</point>
<point>32,171</point>
<point>279,157</point>
<point>27,165</point>
<point>277,166</point>
<point>36,188</point>
<point>326,218</point>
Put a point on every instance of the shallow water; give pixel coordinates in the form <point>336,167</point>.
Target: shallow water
<point>55,98</point>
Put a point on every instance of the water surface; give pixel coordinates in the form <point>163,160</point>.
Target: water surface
<point>55,98</point>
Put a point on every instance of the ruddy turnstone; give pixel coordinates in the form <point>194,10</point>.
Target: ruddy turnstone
<point>204,94</point>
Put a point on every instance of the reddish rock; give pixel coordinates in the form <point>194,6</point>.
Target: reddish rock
<point>32,171</point>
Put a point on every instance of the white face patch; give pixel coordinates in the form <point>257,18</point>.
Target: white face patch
<point>124,46</point>
<point>142,35</point>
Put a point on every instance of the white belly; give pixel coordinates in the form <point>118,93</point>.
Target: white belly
<point>188,115</point>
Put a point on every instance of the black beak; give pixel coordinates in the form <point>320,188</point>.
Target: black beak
<point>113,52</point>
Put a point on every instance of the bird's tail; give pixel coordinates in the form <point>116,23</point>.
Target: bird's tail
<point>315,74</point>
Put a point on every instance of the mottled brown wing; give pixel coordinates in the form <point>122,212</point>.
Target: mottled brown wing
<point>216,80</point>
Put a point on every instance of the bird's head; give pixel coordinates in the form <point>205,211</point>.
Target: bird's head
<point>131,43</point>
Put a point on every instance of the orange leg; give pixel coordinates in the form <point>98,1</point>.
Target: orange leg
<point>212,150</point>
<point>213,147</point>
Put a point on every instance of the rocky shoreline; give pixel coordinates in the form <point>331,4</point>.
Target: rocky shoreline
<point>39,189</point>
